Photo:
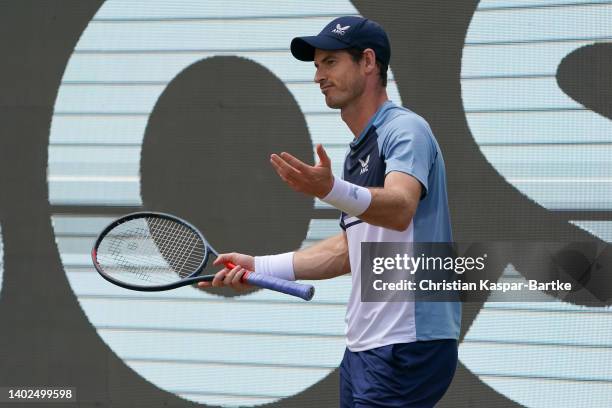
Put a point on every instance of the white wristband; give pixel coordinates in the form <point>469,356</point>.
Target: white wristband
<point>348,197</point>
<point>279,266</point>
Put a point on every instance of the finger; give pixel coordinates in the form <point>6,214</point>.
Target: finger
<point>204,284</point>
<point>294,162</point>
<point>290,179</point>
<point>286,169</point>
<point>230,275</point>
<point>279,171</point>
<point>223,258</point>
<point>237,280</point>
<point>219,277</point>
<point>324,159</point>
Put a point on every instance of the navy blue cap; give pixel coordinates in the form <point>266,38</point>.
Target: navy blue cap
<point>345,32</point>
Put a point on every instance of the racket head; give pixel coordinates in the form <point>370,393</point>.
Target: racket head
<point>150,251</point>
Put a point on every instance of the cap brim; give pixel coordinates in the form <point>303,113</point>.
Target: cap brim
<point>303,48</point>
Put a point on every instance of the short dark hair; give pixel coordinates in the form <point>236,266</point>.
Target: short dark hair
<point>357,54</point>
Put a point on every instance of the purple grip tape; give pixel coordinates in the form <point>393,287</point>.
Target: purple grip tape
<point>300,290</point>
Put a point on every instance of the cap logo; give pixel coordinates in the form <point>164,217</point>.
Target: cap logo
<point>340,30</point>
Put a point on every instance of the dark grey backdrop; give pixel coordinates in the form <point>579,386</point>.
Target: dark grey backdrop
<point>46,338</point>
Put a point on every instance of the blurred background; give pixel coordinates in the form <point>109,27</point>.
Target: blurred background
<point>110,107</point>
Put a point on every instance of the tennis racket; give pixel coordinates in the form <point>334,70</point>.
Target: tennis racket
<point>151,251</point>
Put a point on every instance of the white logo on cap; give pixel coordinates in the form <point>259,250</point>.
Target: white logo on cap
<point>340,30</point>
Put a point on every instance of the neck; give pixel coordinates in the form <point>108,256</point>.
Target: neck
<point>357,114</point>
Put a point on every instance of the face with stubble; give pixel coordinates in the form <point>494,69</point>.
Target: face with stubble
<point>340,78</point>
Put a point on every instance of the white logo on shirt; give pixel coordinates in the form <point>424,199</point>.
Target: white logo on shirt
<point>364,164</point>
<point>340,30</point>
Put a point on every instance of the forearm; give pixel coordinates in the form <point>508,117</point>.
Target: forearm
<point>392,206</point>
<point>324,260</point>
<point>389,208</point>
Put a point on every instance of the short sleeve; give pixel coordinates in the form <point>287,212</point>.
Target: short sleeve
<point>408,148</point>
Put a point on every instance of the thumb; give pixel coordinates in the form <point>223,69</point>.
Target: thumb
<point>222,259</point>
<point>324,159</point>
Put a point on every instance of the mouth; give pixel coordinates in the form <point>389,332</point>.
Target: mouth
<point>324,89</point>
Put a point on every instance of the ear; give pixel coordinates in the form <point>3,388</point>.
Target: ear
<point>369,59</point>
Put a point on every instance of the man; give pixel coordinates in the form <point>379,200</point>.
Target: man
<point>399,354</point>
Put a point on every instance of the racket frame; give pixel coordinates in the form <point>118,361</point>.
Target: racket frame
<point>296,289</point>
<point>190,279</point>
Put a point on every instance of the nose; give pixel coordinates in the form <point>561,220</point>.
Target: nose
<point>319,77</point>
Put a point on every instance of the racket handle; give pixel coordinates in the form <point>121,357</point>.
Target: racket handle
<point>300,290</point>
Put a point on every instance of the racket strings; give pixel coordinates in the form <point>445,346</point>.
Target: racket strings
<point>173,240</point>
<point>152,257</point>
<point>151,251</point>
<point>177,244</point>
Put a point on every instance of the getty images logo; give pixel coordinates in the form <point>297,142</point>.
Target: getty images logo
<point>340,30</point>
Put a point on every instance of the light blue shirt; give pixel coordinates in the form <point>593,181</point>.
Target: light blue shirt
<point>397,139</point>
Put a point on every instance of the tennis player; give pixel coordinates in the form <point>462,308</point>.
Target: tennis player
<point>399,354</point>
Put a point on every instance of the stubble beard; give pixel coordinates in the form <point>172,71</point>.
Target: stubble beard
<point>355,90</point>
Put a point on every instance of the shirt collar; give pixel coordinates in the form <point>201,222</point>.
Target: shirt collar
<point>386,105</point>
